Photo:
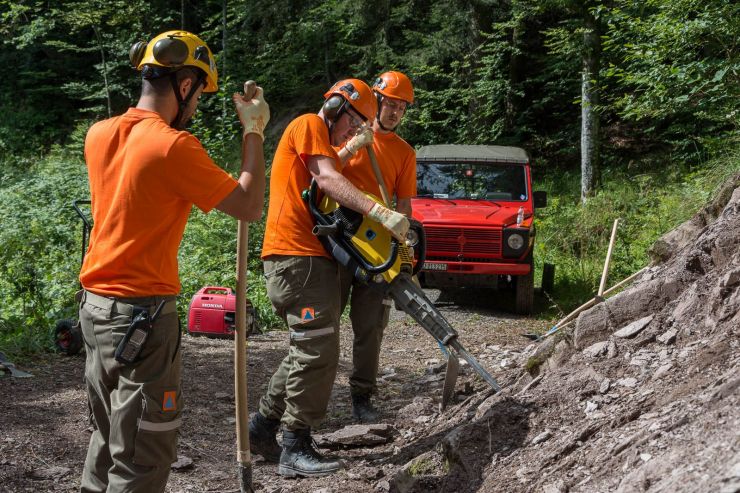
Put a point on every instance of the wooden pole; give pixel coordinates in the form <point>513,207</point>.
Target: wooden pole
<point>243,456</point>
<point>593,301</point>
<point>605,273</point>
<point>379,177</point>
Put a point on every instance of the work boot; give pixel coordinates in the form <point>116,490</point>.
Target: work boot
<point>300,457</point>
<point>262,439</point>
<point>363,410</point>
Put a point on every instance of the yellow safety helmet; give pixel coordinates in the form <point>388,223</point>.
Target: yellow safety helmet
<point>176,49</point>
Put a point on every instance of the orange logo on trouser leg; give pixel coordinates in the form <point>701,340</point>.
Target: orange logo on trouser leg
<point>307,314</point>
<point>169,401</point>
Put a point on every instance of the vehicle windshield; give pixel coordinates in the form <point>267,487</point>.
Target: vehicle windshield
<point>477,181</point>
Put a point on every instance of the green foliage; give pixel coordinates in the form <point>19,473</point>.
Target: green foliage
<point>650,198</point>
<point>39,247</point>
<point>485,72</point>
<point>675,67</point>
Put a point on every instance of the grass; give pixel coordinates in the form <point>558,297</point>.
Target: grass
<point>649,198</point>
<point>40,239</point>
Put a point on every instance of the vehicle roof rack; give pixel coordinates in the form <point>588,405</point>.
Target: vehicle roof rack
<point>465,152</point>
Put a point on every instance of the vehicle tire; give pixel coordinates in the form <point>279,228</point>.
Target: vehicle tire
<point>525,291</point>
<point>67,337</point>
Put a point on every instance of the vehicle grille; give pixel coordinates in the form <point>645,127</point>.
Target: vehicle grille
<point>472,244</point>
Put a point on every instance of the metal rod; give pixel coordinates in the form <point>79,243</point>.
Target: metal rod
<point>476,366</point>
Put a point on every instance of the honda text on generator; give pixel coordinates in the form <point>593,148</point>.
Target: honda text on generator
<point>212,312</point>
<point>369,252</point>
<point>477,207</point>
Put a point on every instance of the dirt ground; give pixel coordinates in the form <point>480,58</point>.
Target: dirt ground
<point>44,426</point>
<point>641,394</point>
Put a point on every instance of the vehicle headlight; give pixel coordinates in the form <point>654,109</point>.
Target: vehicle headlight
<point>515,241</point>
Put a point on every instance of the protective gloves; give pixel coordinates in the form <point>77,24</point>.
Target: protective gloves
<point>253,111</point>
<point>395,222</point>
<point>362,139</point>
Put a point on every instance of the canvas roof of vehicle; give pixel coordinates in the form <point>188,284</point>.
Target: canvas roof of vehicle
<point>461,152</point>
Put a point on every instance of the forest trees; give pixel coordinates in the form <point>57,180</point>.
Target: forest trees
<point>505,72</point>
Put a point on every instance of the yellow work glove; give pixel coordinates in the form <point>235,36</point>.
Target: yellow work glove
<point>363,138</point>
<point>253,111</point>
<point>395,222</point>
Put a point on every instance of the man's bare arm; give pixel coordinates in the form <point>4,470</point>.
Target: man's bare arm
<point>337,186</point>
<point>404,206</point>
<point>246,201</point>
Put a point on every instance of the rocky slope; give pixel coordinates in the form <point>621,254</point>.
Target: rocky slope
<point>641,396</point>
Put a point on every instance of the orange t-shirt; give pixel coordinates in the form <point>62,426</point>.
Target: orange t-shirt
<point>397,162</point>
<point>289,222</point>
<point>144,179</point>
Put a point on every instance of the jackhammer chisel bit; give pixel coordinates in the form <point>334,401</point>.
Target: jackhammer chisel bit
<point>412,300</point>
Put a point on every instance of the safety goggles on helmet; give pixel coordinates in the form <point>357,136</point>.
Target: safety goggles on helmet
<point>171,51</point>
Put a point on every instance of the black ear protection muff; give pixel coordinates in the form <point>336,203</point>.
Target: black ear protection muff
<point>170,52</point>
<point>136,53</point>
<point>333,107</point>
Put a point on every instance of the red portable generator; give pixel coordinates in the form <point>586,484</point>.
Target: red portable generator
<point>212,312</point>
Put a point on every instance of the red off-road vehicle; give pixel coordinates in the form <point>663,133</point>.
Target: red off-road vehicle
<point>477,207</point>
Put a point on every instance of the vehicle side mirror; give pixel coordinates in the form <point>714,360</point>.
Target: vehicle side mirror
<point>540,199</point>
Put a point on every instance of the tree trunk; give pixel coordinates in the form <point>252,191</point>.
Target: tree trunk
<point>105,70</point>
<point>224,119</point>
<point>590,141</point>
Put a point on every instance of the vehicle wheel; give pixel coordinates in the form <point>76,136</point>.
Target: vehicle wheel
<point>67,337</point>
<point>525,292</point>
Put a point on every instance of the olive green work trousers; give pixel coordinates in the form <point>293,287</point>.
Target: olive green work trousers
<point>135,408</point>
<point>304,291</point>
<point>369,312</point>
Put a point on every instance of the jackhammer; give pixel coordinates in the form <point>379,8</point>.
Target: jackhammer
<point>371,254</point>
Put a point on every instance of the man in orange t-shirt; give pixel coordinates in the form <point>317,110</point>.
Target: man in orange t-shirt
<point>369,309</point>
<point>303,280</point>
<point>145,174</point>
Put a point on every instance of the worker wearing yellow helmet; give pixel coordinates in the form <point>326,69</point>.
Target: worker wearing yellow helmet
<point>145,175</point>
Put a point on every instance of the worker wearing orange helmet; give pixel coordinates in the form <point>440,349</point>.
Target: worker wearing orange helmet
<point>369,309</point>
<point>145,174</point>
<point>302,279</point>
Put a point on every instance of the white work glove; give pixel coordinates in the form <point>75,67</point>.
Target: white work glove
<point>253,111</point>
<point>362,139</point>
<point>393,221</point>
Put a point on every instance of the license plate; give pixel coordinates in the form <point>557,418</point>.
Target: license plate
<point>434,266</point>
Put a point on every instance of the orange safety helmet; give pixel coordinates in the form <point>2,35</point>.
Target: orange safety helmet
<point>356,93</point>
<point>395,85</point>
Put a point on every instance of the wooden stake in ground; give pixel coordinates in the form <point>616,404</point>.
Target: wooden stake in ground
<point>595,300</point>
<point>605,273</point>
<point>243,456</point>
